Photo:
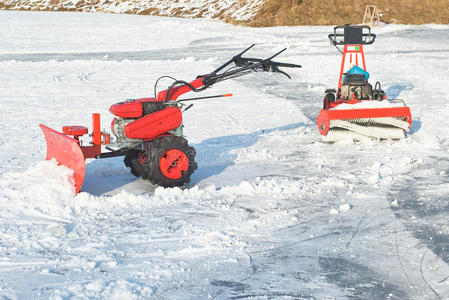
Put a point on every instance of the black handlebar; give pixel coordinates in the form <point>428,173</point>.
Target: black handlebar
<point>266,65</point>
<point>245,65</point>
<point>352,35</point>
<point>242,67</point>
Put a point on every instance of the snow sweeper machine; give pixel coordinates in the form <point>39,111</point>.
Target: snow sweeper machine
<point>355,109</point>
<point>148,131</point>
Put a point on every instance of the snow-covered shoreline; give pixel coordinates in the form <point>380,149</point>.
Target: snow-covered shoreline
<point>239,10</point>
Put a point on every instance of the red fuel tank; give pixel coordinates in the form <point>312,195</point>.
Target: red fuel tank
<point>130,108</point>
<point>154,124</point>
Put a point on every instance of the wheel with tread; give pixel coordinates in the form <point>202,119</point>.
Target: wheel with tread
<point>136,163</point>
<point>328,99</point>
<point>170,161</point>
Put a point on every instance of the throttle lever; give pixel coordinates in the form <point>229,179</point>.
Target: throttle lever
<point>275,68</point>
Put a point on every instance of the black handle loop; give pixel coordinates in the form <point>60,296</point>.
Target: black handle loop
<point>352,35</point>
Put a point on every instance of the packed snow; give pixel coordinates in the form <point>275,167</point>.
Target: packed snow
<point>271,213</point>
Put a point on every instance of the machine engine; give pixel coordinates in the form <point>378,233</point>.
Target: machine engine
<point>356,87</point>
<point>118,129</point>
<point>138,120</point>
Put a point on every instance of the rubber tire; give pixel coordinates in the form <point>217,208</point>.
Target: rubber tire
<point>137,169</point>
<point>156,148</point>
<point>328,99</point>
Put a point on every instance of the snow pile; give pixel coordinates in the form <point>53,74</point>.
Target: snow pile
<point>42,190</point>
<point>240,10</point>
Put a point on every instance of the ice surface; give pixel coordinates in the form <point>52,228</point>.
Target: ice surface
<point>271,212</point>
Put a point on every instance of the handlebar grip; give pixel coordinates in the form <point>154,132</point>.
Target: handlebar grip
<point>372,36</point>
<point>286,65</point>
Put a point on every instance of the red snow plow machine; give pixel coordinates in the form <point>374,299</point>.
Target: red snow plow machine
<point>357,110</point>
<point>148,131</point>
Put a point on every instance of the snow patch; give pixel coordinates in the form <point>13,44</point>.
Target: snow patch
<point>45,189</point>
<point>345,208</point>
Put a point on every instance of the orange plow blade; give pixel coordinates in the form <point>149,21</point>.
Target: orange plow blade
<point>377,123</point>
<point>67,152</point>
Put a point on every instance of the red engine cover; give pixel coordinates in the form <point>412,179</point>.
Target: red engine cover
<point>154,124</point>
<point>130,108</point>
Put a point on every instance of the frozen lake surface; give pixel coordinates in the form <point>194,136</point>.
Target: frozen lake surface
<point>271,212</point>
